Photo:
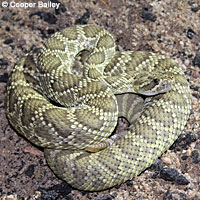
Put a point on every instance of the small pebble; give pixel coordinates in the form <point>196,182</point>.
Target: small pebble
<point>46,16</point>
<point>174,195</point>
<point>106,197</point>
<point>190,33</point>
<point>196,60</point>
<point>196,156</point>
<point>184,141</point>
<point>30,170</point>
<point>184,157</point>
<point>195,9</point>
<point>61,8</point>
<point>181,180</point>
<point>8,41</point>
<point>7,28</point>
<point>84,18</point>
<point>147,14</point>
<point>130,183</point>
<point>4,78</point>
<point>170,174</point>
<point>3,61</point>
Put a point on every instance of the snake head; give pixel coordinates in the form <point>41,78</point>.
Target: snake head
<point>149,85</point>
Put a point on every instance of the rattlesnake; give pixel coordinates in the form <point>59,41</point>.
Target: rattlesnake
<point>67,96</point>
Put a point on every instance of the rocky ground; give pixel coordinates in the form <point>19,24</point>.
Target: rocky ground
<point>168,27</point>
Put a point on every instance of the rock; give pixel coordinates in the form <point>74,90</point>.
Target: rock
<point>147,14</point>
<point>170,174</point>
<point>61,7</point>
<point>196,156</point>
<point>30,170</point>
<point>4,78</point>
<point>46,16</point>
<point>173,195</point>
<point>106,197</point>
<point>181,180</point>
<point>8,41</point>
<point>195,9</point>
<point>183,141</point>
<point>196,60</point>
<point>7,28</point>
<point>50,31</point>
<point>54,192</point>
<point>130,183</point>
<point>3,61</point>
<point>84,18</point>
<point>190,33</point>
<point>185,157</point>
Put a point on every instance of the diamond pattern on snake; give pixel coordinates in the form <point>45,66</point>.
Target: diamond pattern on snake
<point>67,96</point>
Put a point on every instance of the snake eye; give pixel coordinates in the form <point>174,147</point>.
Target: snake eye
<point>156,81</point>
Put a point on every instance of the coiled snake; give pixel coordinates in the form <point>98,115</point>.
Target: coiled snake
<point>67,96</point>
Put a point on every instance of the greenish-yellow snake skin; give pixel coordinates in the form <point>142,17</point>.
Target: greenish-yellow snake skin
<point>67,96</point>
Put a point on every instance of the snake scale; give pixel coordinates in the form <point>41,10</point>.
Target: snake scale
<point>67,96</point>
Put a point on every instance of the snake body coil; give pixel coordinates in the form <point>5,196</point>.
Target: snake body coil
<point>67,96</point>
